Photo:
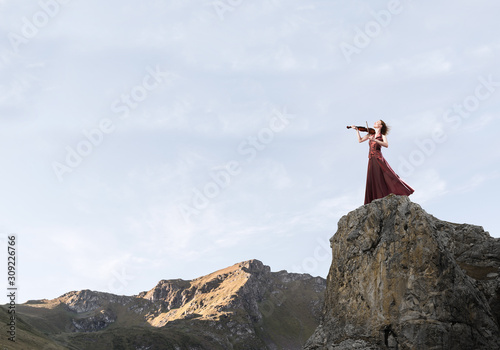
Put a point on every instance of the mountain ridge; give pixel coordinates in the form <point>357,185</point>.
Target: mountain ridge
<point>243,306</point>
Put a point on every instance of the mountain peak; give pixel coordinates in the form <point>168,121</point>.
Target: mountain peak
<point>209,297</point>
<point>241,304</point>
<point>400,278</point>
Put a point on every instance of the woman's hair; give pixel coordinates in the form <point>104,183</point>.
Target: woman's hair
<point>385,128</point>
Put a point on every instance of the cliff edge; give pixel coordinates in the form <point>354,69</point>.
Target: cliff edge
<point>402,279</point>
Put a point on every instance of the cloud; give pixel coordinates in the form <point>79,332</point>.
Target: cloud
<point>429,185</point>
<point>118,212</point>
<point>476,181</point>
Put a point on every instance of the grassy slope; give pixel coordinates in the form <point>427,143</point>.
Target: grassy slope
<point>287,321</point>
<point>27,337</point>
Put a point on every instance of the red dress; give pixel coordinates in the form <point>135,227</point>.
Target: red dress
<point>381,180</point>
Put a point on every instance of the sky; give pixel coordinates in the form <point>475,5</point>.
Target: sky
<point>151,140</point>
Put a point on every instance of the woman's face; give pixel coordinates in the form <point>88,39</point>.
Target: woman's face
<point>378,124</point>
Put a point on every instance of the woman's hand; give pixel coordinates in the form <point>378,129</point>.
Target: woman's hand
<point>360,139</point>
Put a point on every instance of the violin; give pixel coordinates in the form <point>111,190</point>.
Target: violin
<point>364,128</point>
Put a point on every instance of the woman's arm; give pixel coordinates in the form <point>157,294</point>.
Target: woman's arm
<point>360,139</point>
<point>383,143</point>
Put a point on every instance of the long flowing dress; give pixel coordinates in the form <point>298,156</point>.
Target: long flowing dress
<point>381,180</point>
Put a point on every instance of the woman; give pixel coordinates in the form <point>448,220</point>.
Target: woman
<point>381,180</point>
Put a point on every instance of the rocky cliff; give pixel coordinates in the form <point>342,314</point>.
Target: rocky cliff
<point>244,306</point>
<point>402,279</point>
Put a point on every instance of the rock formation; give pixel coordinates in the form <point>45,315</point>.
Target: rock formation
<point>399,279</point>
<point>402,279</point>
<point>244,306</point>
